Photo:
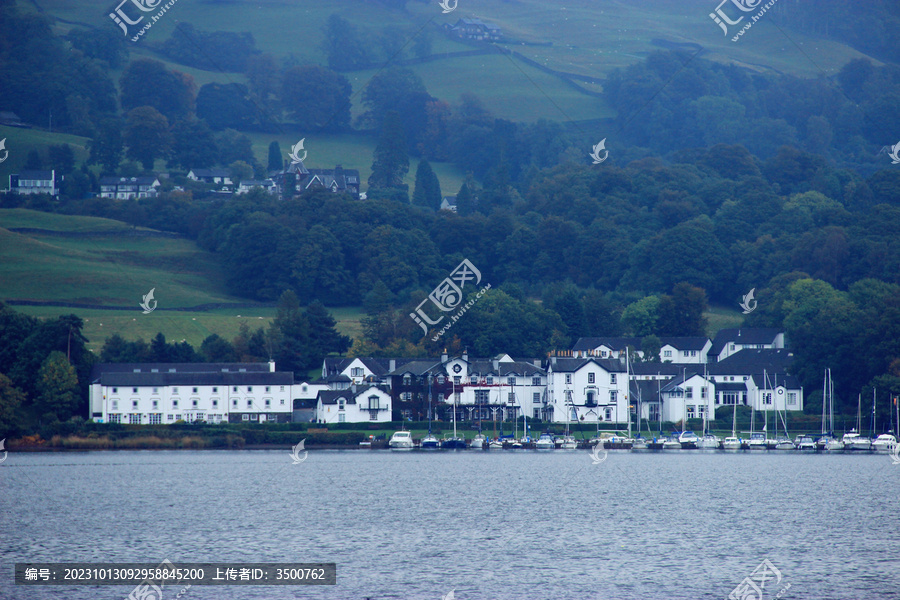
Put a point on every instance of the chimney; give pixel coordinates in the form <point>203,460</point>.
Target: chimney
<point>271,366</point>
<point>496,364</point>
<point>444,356</point>
<point>537,363</point>
<point>553,360</point>
<point>465,355</point>
<point>353,388</point>
<point>392,364</point>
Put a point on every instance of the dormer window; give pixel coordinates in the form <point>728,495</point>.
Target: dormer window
<point>489,380</point>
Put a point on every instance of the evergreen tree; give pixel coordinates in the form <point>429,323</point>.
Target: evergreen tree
<point>57,386</point>
<point>323,331</point>
<point>391,162</point>
<point>275,160</point>
<point>465,206</point>
<point>160,350</point>
<point>428,188</point>
<point>290,332</point>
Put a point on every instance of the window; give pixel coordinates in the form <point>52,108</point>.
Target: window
<point>234,403</point>
<point>373,402</point>
<point>249,403</point>
<point>690,411</point>
<point>590,399</point>
<point>613,394</point>
<point>767,398</point>
<point>174,390</point>
<point>215,403</point>
<point>171,417</point>
<point>568,378</point>
<point>282,389</point>
<point>535,381</point>
<point>215,390</point>
<point>609,414</point>
<point>592,378</point>
<point>115,405</point>
<point>357,372</point>
<point>341,403</point>
<point>537,413</point>
<point>134,404</point>
<point>481,397</point>
<point>268,389</point>
<point>268,402</point>
<point>249,388</point>
<point>441,380</point>
<point>234,389</point>
<point>568,395</point>
<point>282,402</point>
<point>194,403</point>
<point>174,403</point>
<point>155,419</point>
<point>689,392</point>
<point>406,396</point>
<point>511,398</point>
<point>245,417</point>
<point>134,390</point>
<point>134,419</point>
<point>407,380</point>
<point>156,390</point>
<point>156,404</point>
<point>193,390</point>
<point>536,398</point>
<point>703,392</point>
<point>373,416</point>
<point>440,397</point>
<point>667,353</point>
<point>489,380</point>
<point>115,390</point>
<point>792,398</point>
<point>342,418</point>
<point>510,381</point>
<point>115,418</point>
<point>612,379</point>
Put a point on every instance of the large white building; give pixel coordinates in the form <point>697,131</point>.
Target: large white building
<point>356,404</point>
<point>587,390</point>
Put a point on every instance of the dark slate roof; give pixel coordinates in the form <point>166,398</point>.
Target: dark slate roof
<point>678,380</point>
<point>570,365</point>
<point>332,396</point>
<point>647,391</point>
<point>209,378</point>
<point>43,175</point>
<point>104,368</point>
<point>651,368</point>
<point>780,379</point>
<point>751,361</point>
<point>211,172</point>
<point>616,343</point>
<point>743,335</point>
<point>418,367</point>
<point>731,387</point>
<point>127,180</point>
<point>378,366</point>
<point>486,366</point>
<point>685,343</point>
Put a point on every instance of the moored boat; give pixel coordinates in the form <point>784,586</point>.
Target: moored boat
<point>805,443</point>
<point>688,440</point>
<point>429,442</point>
<point>709,442</point>
<point>639,443</point>
<point>758,441</point>
<point>731,444</point>
<point>478,442</point>
<point>401,440</point>
<point>854,442</point>
<point>568,443</point>
<point>545,442</point>
<point>884,443</point>
<point>671,443</point>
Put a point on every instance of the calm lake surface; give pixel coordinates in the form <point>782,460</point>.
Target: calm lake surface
<point>486,525</point>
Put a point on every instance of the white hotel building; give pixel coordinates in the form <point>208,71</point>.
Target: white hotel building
<point>163,393</point>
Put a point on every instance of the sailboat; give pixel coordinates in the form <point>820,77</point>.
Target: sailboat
<point>853,441</point>
<point>826,441</point>
<point>568,442</point>
<point>732,443</point>
<point>708,441</point>
<point>455,442</point>
<point>429,442</point>
<point>495,443</point>
<point>886,443</point>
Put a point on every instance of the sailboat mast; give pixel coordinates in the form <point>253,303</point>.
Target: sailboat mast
<point>628,393</point>
<point>873,412</point>
<point>454,407</point>
<point>830,402</point>
<point>824,398</point>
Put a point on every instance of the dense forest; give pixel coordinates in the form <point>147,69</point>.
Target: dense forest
<point>720,179</point>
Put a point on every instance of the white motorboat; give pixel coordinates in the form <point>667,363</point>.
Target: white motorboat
<point>639,444</point>
<point>478,442</point>
<point>495,445</point>
<point>709,442</point>
<point>731,444</point>
<point>784,443</point>
<point>758,441</point>
<point>805,443</point>
<point>834,445</point>
<point>884,444</point>
<point>429,442</point>
<point>568,443</point>
<point>545,442</point>
<point>671,444</point>
<point>688,440</point>
<point>401,440</point>
<point>854,442</point>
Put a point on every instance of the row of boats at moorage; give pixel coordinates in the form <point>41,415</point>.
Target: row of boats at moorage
<point>686,440</point>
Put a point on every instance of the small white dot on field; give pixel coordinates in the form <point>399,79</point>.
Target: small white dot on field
<point>134,319</point>
<point>193,318</point>
<point>239,316</point>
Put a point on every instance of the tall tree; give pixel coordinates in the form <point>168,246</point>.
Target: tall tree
<point>391,162</point>
<point>323,332</point>
<point>427,192</point>
<point>107,145</point>
<point>317,98</point>
<point>193,145</point>
<point>343,45</point>
<point>276,160</point>
<point>147,136</point>
<point>290,330</point>
<point>57,386</point>
<point>148,83</point>
<point>465,204</point>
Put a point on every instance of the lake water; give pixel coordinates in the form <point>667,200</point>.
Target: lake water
<point>485,525</point>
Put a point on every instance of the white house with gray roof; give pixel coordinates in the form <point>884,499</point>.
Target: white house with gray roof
<point>357,404</point>
<point>587,390</point>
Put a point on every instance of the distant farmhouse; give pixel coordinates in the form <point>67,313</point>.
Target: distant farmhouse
<point>476,29</point>
<point>449,203</point>
<point>128,188</point>
<point>337,180</point>
<point>34,182</point>
<point>214,176</point>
